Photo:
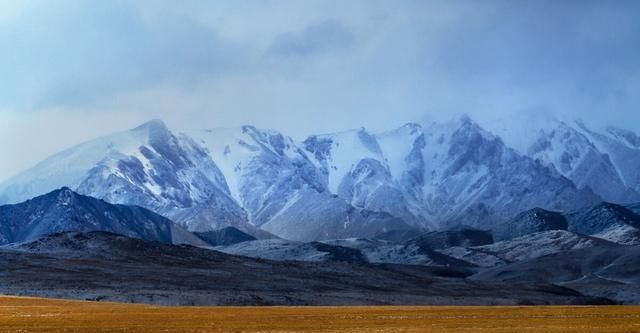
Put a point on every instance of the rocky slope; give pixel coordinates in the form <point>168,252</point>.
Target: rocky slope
<point>529,246</point>
<point>64,210</point>
<point>607,221</point>
<point>609,271</point>
<point>108,267</point>
<point>530,221</point>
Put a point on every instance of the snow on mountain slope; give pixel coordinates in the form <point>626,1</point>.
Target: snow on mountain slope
<point>608,221</point>
<point>530,221</point>
<point>526,247</point>
<point>266,170</point>
<point>146,166</point>
<point>575,156</point>
<point>356,168</point>
<point>284,191</point>
<point>473,178</point>
<point>70,167</point>
<point>447,173</point>
<point>411,253</point>
<point>316,216</point>
<point>604,161</point>
<point>281,250</point>
<point>623,150</point>
<point>520,130</point>
<point>64,210</point>
<point>347,184</point>
<point>403,153</point>
<point>340,153</point>
<point>397,147</point>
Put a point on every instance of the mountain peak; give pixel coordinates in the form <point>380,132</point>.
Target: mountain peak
<point>153,124</point>
<point>65,196</point>
<point>412,125</point>
<point>65,210</point>
<point>362,131</point>
<point>465,119</point>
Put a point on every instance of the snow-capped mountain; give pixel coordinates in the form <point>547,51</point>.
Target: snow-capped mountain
<point>441,175</point>
<point>577,158</point>
<point>348,184</point>
<point>604,161</point>
<point>64,210</point>
<point>623,148</point>
<point>283,190</point>
<point>472,178</point>
<point>147,166</point>
<point>373,172</point>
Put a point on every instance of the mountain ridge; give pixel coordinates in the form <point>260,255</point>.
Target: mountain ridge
<point>426,177</point>
<point>63,210</point>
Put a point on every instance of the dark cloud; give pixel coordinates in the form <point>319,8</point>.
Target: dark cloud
<point>325,37</point>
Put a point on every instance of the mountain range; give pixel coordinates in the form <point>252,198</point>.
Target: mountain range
<point>65,244</point>
<point>102,266</point>
<point>350,184</point>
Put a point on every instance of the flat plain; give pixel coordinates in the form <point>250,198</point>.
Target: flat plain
<point>26,314</point>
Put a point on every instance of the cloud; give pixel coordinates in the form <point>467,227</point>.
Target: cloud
<point>324,37</point>
<point>308,66</point>
<point>69,52</point>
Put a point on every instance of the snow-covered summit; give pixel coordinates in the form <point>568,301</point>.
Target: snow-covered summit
<point>147,166</point>
<point>605,161</point>
<point>348,184</point>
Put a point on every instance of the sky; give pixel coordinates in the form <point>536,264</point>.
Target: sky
<point>74,70</point>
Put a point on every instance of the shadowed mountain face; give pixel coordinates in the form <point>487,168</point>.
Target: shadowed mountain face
<point>64,210</point>
<point>604,270</point>
<point>225,236</point>
<point>459,237</point>
<point>103,266</point>
<point>608,221</point>
<point>634,208</point>
<point>531,221</point>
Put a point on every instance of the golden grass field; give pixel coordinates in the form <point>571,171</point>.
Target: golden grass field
<point>19,314</point>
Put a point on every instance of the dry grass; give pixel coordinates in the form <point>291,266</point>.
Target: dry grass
<point>19,314</point>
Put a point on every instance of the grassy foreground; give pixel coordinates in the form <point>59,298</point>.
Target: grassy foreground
<point>20,314</point>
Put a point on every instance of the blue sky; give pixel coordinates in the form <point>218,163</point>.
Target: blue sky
<point>73,70</point>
